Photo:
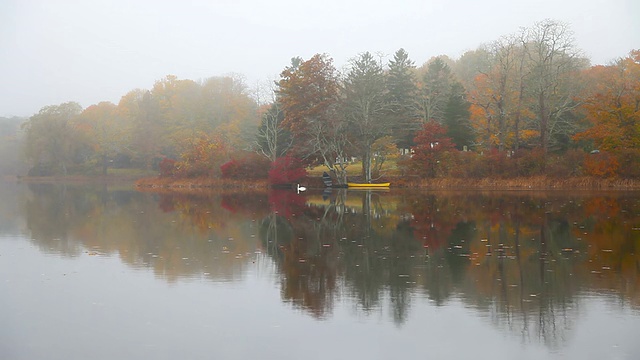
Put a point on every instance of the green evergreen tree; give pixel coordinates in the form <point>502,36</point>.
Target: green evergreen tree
<point>436,84</point>
<point>457,117</point>
<point>402,97</point>
<point>365,107</point>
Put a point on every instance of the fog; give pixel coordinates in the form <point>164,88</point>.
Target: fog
<point>92,51</point>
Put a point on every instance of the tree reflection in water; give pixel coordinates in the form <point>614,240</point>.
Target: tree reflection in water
<point>524,258</point>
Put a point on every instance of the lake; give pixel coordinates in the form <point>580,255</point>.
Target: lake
<point>98,272</point>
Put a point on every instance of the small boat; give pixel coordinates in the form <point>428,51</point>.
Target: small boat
<point>326,179</point>
<point>366,185</point>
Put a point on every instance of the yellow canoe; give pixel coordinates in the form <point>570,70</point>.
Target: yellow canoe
<point>364,185</point>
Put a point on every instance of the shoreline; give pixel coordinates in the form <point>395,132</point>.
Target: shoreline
<point>151,184</point>
<point>524,184</point>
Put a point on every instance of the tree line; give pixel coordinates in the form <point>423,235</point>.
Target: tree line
<point>526,104</point>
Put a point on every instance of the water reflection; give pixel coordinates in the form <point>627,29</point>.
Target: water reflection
<point>524,260</point>
<point>178,237</point>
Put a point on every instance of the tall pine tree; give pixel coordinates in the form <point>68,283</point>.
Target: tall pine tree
<point>402,99</point>
<point>456,117</point>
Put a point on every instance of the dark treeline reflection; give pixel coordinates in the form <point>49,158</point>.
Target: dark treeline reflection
<point>524,259</point>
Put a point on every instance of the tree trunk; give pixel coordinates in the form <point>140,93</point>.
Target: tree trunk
<point>544,123</point>
<point>366,164</point>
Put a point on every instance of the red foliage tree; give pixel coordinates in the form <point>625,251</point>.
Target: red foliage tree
<point>286,170</point>
<point>431,147</point>
<point>167,167</point>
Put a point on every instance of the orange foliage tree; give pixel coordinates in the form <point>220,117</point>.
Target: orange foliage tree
<point>613,109</point>
<point>309,94</point>
<point>202,156</point>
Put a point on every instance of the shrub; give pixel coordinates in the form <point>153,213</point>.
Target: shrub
<point>201,157</point>
<point>250,166</point>
<point>529,163</point>
<point>467,164</point>
<point>286,170</point>
<point>601,164</point>
<point>497,163</point>
<point>167,167</point>
<point>569,164</point>
<point>404,165</point>
<point>629,160</point>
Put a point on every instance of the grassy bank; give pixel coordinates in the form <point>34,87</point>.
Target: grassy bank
<point>114,175</point>
<point>159,183</point>
<point>531,183</point>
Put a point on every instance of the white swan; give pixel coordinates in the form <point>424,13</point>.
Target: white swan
<point>300,188</point>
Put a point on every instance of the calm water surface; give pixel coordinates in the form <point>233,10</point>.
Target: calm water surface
<point>105,273</point>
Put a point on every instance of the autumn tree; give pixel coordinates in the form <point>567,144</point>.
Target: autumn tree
<point>498,94</point>
<point>176,111</point>
<point>140,109</point>
<point>613,109</point>
<point>229,111</point>
<point>366,106</point>
<point>499,81</point>
<point>109,134</point>
<point>554,63</point>
<point>308,92</point>
<point>52,139</point>
<point>431,147</point>
<point>12,146</point>
<point>201,156</point>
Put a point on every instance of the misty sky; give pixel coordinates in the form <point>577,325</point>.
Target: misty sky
<point>54,51</point>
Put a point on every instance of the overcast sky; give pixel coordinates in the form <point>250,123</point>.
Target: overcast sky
<point>54,51</point>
